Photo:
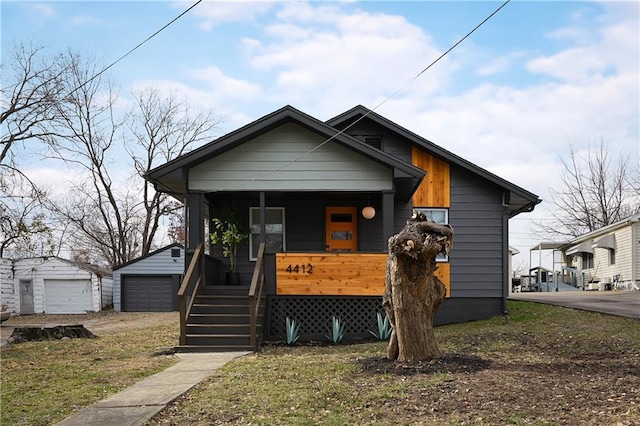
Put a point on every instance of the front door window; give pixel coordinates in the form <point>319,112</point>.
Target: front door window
<point>341,229</point>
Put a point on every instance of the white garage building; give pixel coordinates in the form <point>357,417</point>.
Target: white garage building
<point>52,285</point>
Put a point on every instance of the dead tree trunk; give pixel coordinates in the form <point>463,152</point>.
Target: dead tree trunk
<point>28,334</point>
<point>413,294</point>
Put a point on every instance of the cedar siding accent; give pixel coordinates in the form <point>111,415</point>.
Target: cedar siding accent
<point>291,158</point>
<point>434,190</point>
<point>337,274</point>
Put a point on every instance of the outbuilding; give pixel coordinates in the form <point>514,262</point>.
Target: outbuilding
<point>53,285</point>
<point>150,283</point>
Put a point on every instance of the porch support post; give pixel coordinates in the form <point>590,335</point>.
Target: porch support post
<point>263,218</point>
<point>387,216</point>
<point>194,203</point>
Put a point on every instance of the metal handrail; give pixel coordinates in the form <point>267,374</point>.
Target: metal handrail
<point>186,303</point>
<point>257,284</point>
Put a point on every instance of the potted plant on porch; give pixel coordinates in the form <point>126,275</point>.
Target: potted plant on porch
<point>229,231</point>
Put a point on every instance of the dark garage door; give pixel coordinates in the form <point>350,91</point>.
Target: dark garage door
<point>150,293</point>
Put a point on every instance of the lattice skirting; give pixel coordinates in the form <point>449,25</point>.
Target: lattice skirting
<point>314,314</point>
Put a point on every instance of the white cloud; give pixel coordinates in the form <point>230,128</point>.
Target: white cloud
<point>43,10</point>
<point>213,13</point>
<point>499,64</point>
<point>85,20</point>
<point>333,60</point>
<point>224,87</point>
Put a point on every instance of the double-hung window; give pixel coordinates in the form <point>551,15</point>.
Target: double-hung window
<point>274,227</point>
<point>440,216</point>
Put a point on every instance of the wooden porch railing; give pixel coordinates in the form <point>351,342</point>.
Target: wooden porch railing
<point>255,296</point>
<point>188,291</point>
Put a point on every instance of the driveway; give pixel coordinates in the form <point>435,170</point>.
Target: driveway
<point>621,303</point>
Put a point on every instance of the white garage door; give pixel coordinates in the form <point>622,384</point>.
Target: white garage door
<point>68,296</point>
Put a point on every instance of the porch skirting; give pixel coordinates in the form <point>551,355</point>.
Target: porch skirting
<point>358,314</point>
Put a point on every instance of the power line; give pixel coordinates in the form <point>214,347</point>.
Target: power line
<point>135,48</point>
<point>378,105</point>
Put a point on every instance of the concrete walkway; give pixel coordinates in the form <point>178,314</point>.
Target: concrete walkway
<point>621,303</point>
<point>138,403</point>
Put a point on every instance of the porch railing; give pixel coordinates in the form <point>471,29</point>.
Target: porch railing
<point>255,296</point>
<point>188,291</point>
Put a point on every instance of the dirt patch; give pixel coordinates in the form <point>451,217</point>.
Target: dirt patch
<point>569,383</point>
<point>449,363</point>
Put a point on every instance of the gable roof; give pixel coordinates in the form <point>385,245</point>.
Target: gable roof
<point>608,228</point>
<point>94,269</point>
<point>161,249</point>
<point>171,177</point>
<point>520,200</point>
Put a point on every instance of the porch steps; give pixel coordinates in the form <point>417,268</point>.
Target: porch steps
<point>220,321</point>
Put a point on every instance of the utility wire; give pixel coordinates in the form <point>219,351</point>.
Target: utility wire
<point>135,48</point>
<point>380,104</point>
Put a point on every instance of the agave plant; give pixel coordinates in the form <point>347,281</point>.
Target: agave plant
<point>336,331</point>
<point>293,331</point>
<point>384,328</point>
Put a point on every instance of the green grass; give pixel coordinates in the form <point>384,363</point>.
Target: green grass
<point>44,382</point>
<point>326,385</point>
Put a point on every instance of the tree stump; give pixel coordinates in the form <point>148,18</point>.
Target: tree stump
<point>34,333</point>
<point>413,294</point>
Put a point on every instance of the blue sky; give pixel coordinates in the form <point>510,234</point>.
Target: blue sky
<point>536,77</point>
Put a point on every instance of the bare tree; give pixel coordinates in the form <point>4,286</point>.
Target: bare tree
<point>106,216</point>
<point>33,85</point>
<point>163,128</point>
<point>23,223</point>
<point>86,135</point>
<point>593,192</point>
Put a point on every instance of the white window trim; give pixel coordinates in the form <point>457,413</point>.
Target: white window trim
<point>440,257</point>
<point>284,229</point>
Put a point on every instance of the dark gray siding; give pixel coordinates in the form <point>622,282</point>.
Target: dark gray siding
<point>304,224</point>
<point>462,309</point>
<point>477,257</point>
<point>391,143</point>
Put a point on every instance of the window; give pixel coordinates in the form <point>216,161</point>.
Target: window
<point>274,238</point>
<point>612,257</point>
<point>587,260</point>
<point>440,216</point>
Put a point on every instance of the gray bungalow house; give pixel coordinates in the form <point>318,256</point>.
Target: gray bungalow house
<point>320,200</point>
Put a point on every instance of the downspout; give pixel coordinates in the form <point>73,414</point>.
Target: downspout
<point>505,251</point>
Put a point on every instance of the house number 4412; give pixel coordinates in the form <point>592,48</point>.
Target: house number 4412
<point>305,269</point>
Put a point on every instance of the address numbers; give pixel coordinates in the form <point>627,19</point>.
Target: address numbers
<point>305,269</point>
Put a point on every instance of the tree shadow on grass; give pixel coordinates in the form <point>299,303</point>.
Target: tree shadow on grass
<point>448,363</point>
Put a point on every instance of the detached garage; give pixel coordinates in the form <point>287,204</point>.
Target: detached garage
<point>52,285</point>
<point>149,283</point>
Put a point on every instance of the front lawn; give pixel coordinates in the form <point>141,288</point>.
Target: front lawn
<point>45,382</point>
<point>541,365</point>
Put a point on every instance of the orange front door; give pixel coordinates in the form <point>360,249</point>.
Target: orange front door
<point>342,227</point>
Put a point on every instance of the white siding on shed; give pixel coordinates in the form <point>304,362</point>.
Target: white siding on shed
<point>7,292</point>
<point>158,263</point>
<point>267,163</point>
<point>51,297</point>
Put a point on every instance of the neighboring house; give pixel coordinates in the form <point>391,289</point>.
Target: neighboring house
<point>309,188</point>
<point>52,285</point>
<point>149,283</point>
<point>607,258</point>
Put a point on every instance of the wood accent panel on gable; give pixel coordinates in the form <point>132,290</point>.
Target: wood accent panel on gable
<point>338,274</point>
<point>434,191</point>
